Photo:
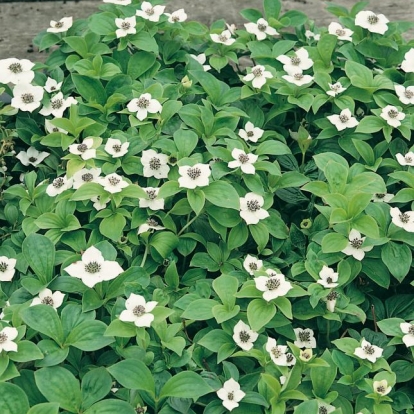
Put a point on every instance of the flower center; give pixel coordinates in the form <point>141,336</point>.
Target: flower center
<point>408,158</point>
<point>3,266</point>
<point>253,205</point>
<point>223,38</point>
<point>380,389</point>
<point>230,396</point>
<point>150,11</point>
<point>32,159</point>
<point>332,295</point>
<point>408,94</point>
<point>276,352</point>
<point>304,336</point>
<point>272,283</point>
<point>373,19</point>
<point>392,113</point>
<point>356,243</point>
<point>253,266</point>
<point>289,358</point>
<point>114,181</point>
<point>143,103</point>
<point>47,300</point>
<point>27,98</point>
<point>262,27</point>
<point>87,177</point>
<point>369,349</point>
<point>154,163</point>
<point>58,182</point>
<point>152,194</point>
<point>340,32</point>
<point>152,223</point>
<point>298,76</point>
<point>93,267</point>
<point>138,310</point>
<point>323,410</point>
<point>56,104</point>
<point>16,68</point>
<point>380,195</point>
<point>117,147</point>
<point>3,337</point>
<point>307,355</point>
<point>257,72</point>
<point>329,279</point>
<point>82,147</point>
<point>55,129</point>
<point>244,336</point>
<point>335,87</point>
<point>125,25</point>
<point>58,25</point>
<point>175,18</point>
<point>343,118</point>
<point>404,217</point>
<point>250,134</point>
<point>295,61</point>
<point>243,158</point>
<point>194,173</point>
<point>411,330</point>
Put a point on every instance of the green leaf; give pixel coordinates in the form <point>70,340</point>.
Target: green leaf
<point>111,406</point>
<point>272,8</point>
<point>291,179</point>
<point>391,326</point>
<point>53,353</point>
<point>59,385</point>
<point>398,258</point>
<point>13,400</point>
<point>89,336</point>
<point>214,339</point>
<point>186,384</point>
<point>102,23</point>
<point>323,377</point>
<point>307,407</point>
<point>89,88</point>
<point>347,345</point>
<point>212,86</point>
<point>186,141</point>
<point>334,242</point>
<point>87,191</point>
<point>226,287</point>
<point>326,46</point>
<point>164,243</point>
<point>337,176</point>
<point>370,124</point>
<point>134,375</point>
<point>222,194</point>
<point>259,313</point>
<point>222,313</point>
<point>272,147</point>
<point>200,309</point>
<point>43,262</point>
<point>45,408</point>
<point>96,384</point>
<point>238,236</point>
<point>196,199</point>
<point>139,63</point>
<point>113,226</point>
<point>26,351</point>
<point>144,41</point>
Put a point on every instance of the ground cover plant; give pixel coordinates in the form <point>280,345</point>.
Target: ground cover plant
<point>203,220</point>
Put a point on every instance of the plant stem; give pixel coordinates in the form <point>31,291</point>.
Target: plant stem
<point>144,258</point>
<point>187,225</point>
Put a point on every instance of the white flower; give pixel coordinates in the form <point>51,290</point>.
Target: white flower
<point>52,85</point>
<point>7,269</point>
<point>403,220</point>
<point>260,29</point>
<point>232,28</point>
<point>31,157</point>
<point>251,133</point>
<point>343,120</point>
<point>93,268</point>
<point>258,76</point>
<point>152,201</point>
<point>61,26</point>
<point>243,160</point>
<point>7,335</point>
<point>324,408</point>
<point>150,224</point>
<point>125,26</point>
<point>304,338</point>
<point>382,387</point>
<point>251,210</point>
<point>47,297</point>
<point>335,89</point>
<point>273,286</point>
<point>407,64</point>
<point>328,277</point>
<point>231,394</point>
<point>290,359</point>
<point>57,105</point>
<point>150,12</point>
<point>138,310</point>
<point>223,38</point>
<point>113,183</point>
<point>382,197</point>
<point>392,115</point>
<point>282,379</point>
<point>408,330</point>
<point>305,355</point>
<point>251,264</point>
<point>59,185</point>
<point>368,351</point>
<point>119,2</point>
<point>331,300</point>
<point>405,95</point>
<point>116,148</point>
<point>298,78</point>
<point>15,71</point>
<point>309,34</point>
<point>355,247</point>
<point>337,30</point>
<point>85,149</point>
<point>276,352</point>
<point>177,16</point>
<point>297,62</point>
<point>201,59</point>
<point>50,128</point>
<point>195,176</point>
<point>244,336</point>
<point>86,176</point>
<point>143,105</point>
<point>26,97</point>
<point>98,204</point>
<point>155,165</point>
<point>375,23</point>
<point>407,159</point>
<point>2,312</point>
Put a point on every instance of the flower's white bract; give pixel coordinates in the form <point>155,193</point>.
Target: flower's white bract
<point>125,26</point>
<point>251,210</point>
<point>331,300</point>
<point>403,220</point>
<point>405,94</point>
<point>297,77</point>
<point>343,120</point>
<point>305,338</point>
<point>144,105</point>
<point>260,29</point>
<point>155,165</point>
<point>150,224</point>
<point>408,330</point>
<point>152,201</point>
<point>382,387</point>
<point>224,38</point>
<point>201,59</point>
<point>407,159</point>
<point>328,278</point>
<point>311,35</point>
<point>325,408</point>
<point>375,23</point>
<point>177,16</point>
<point>392,115</point>
<point>251,264</point>
<point>85,149</point>
<point>194,176</point>
<point>61,26</point>
<point>251,133</point>
<point>116,148</point>
<point>47,297</point>
<point>138,310</point>
<point>368,351</point>
<point>150,12</point>
<point>243,160</point>
<point>26,97</point>
<point>52,85</point>
<point>7,335</point>
<point>98,204</point>
<point>382,197</point>
<point>230,394</point>
<point>277,352</point>
<point>335,89</point>
<point>244,336</point>
<point>93,268</point>
<point>258,76</point>
<point>59,185</point>
<point>342,33</point>
<point>113,183</point>
<point>32,156</point>
<point>86,175</point>
<point>407,64</point>
<point>355,246</point>
<point>50,128</point>
<point>296,63</point>
<point>7,268</point>
<point>272,286</point>
<point>15,71</point>
<point>57,105</point>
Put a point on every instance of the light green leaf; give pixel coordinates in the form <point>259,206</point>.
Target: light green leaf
<point>186,384</point>
<point>13,400</point>
<point>222,194</point>
<point>259,313</point>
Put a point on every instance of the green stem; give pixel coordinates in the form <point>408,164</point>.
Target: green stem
<point>187,225</point>
<point>144,258</point>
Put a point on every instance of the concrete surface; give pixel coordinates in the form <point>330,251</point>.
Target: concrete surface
<point>21,21</point>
